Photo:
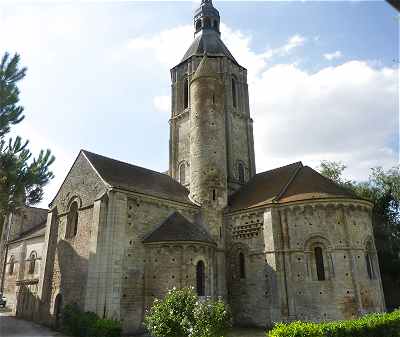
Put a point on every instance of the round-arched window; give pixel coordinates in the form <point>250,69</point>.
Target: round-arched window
<point>11,265</point>
<point>200,279</point>
<point>32,262</point>
<point>182,173</point>
<point>72,220</point>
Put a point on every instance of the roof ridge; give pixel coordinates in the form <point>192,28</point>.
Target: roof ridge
<point>126,163</point>
<point>281,167</point>
<point>290,181</point>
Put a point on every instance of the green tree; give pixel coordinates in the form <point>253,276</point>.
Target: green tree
<point>22,176</point>
<point>10,75</point>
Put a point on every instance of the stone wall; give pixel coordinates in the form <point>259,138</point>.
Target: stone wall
<point>238,125</point>
<point>67,257</point>
<point>279,248</point>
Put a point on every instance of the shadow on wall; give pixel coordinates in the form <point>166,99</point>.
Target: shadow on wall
<point>66,285</point>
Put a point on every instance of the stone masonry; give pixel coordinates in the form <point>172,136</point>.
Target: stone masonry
<point>279,245</point>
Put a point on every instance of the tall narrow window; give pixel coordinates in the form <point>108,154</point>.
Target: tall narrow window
<point>241,173</point>
<point>32,263</point>
<point>369,265</point>
<point>207,23</point>
<point>72,220</point>
<point>198,25</point>
<point>242,265</point>
<point>58,309</point>
<point>200,279</point>
<point>182,173</point>
<point>234,98</point>
<point>214,195</point>
<point>185,93</point>
<point>11,265</point>
<point>319,263</point>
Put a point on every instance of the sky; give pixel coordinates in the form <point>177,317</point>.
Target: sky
<point>323,78</point>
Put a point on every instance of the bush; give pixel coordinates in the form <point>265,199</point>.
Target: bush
<point>181,314</point>
<point>373,325</point>
<point>87,324</point>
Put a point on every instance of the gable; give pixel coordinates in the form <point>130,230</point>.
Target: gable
<point>177,228</point>
<point>82,181</point>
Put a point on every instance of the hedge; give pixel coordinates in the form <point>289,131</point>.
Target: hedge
<point>372,325</point>
<point>77,323</point>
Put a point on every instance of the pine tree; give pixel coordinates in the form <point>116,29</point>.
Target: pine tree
<point>22,177</point>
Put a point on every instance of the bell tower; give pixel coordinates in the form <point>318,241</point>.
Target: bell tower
<point>235,134</point>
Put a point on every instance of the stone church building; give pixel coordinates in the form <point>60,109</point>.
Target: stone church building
<point>279,245</point>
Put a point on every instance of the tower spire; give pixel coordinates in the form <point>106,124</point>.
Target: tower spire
<point>206,18</point>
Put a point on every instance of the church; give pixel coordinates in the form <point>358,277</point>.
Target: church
<point>281,245</point>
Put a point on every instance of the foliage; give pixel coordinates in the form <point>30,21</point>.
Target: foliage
<point>10,74</point>
<point>373,325</point>
<point>182,314</point>
<point>212,318</point>
<point>383,189</point>
<point>22,177</point>
<point>87,324</point>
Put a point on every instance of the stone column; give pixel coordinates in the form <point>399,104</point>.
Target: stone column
<point>96,257</point>
<point>117,217</point>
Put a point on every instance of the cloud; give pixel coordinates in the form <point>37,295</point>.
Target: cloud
<point>347,113</point>
<point>332,56</point>
<point>162,103</point>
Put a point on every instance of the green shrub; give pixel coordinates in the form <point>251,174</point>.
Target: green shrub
<point>77,323</point>
<point>373,325</point>
<point>182,314</point>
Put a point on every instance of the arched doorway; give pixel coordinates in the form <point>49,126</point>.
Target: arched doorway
<point>200,279</point>
<point>58,310</point>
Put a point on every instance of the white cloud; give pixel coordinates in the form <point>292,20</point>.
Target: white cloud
<point>332,56</point>
<point>347,113</point>
<point>162,103</point>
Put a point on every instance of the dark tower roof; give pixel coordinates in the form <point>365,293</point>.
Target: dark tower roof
<point>207,34</point>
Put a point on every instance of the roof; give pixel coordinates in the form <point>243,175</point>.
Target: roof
<point>204,69</point>
<point>133,178</point>
<point>208,42</point>
<point>177,228</point>
<point>38,230</point>
<point>284,184</point>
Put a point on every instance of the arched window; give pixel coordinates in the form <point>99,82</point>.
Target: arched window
<point>234,98</point>
<point>241,173</point>
<point>32,262</point>
<point>182,173</point>
<point>207,23</point>
<point>198,25</point>
<point>58,309</point>
<point>185,93</point>
<point>11,265</point>
<point>72,220</point>
<point>369,262</point>
<point>242,265</point>
<point>200,279</point>
<point>319,263</point>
